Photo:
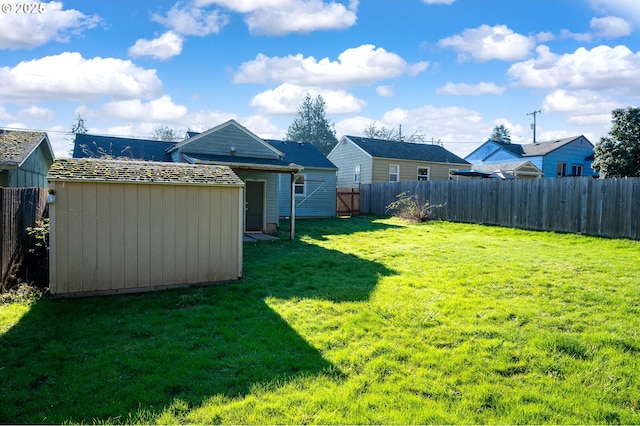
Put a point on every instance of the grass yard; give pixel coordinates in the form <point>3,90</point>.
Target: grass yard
<point>358,321</point>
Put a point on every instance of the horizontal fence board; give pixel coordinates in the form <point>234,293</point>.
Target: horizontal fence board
<point>601,207</point>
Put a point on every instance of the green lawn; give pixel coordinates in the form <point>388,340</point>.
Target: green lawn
<point>358,321</point>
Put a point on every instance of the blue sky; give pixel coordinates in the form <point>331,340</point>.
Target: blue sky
<point>449,69</point>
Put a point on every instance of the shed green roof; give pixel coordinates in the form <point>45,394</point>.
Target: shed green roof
<point>84,169</point>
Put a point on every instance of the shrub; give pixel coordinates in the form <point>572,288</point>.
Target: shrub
<point>408,207</point>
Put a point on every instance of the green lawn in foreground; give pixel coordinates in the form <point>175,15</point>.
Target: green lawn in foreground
<point>359,320</point>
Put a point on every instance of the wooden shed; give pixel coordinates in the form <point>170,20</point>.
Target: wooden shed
<point>130,226</point>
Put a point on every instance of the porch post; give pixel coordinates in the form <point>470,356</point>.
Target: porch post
<point>292,215</point>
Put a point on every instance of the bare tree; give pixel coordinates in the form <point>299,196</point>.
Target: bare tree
<point>391,134</point>
<point>166,133</point>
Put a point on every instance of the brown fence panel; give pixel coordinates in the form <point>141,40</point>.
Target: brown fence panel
<point>602,207</point>
<point>347,201</point>
<point>20,208</point>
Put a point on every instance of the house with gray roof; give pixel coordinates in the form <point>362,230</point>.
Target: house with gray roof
<point>25,158</point>
<point>271,170</point>
<point>314,186</point>
<point>363,160</point>
<point>564,157</point>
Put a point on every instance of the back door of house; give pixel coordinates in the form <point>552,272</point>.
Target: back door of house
<point>254,205</point>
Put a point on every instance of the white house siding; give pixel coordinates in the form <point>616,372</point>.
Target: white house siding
<point>320,197</point>
<point>345,155</point>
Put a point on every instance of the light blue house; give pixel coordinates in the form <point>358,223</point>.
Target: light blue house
<point>558,158</point>
<point>314,186</point>
<point>270,170</point>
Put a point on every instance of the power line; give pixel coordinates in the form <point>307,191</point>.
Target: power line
<point>534,123</point>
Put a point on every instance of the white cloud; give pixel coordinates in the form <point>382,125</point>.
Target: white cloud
<point>362,65</point>
<point>279,17</point>
<point>610,27</point>
<point>69,76</point>
<point>385,91</point>
<point>157,110</point>
<point>628,8</point>
<point>164,47</point>
<point>486,43</point>
<point>192,20</point>
<point>25,31</point>
<point>583,107</point>
<point>38,113</point>
<point>4,115</point>
<point>482,88</point>
<point>286,98</point>
<point>582,37</point>
<point>438,1</point>
<point>602,67</point>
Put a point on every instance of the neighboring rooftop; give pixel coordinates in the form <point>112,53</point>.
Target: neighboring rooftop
<point>406,151</point>
<point>94,146</point>
<point>84,169</point>
<point>302,153</point>
<point>16,145</point>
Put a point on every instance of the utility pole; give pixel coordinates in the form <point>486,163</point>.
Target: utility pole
<point>533,126</point>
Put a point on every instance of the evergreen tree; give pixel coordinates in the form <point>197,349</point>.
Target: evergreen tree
<point>311,125</point>
<point>78,126</point>
<point>500,134</point>
<point>618,154</point>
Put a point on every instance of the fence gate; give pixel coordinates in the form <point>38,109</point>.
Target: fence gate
<point>347,201</point>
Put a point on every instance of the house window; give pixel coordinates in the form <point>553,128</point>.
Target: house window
<point>576,170</point>
<point>394,173</point>
<point>451,174</point>
<point>300,185</point>
<point>356,173</point>
<point>423,173</point>
<point>562,169</point>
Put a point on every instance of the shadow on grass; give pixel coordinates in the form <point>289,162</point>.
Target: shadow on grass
<point>109,359</point>
<point>317,228</point>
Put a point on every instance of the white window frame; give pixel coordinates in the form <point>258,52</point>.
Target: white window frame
<point>561,169</point>
<point>302,185</point>
<point>356,173</point>
<point>452,176</point>
<point>575,167</point>
<point>423,176</point>
<point>396,174</point>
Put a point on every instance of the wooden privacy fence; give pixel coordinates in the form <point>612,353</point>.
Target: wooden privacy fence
<point>602,207</point>
<point>19,208</point>
<point>347,201</point>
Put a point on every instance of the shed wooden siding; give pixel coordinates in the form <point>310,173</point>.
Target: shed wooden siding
<point>320,197</point>
<point>409,170</point>
<point>32,172</point>
<point>345,156</point>
<point>123,237</point>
